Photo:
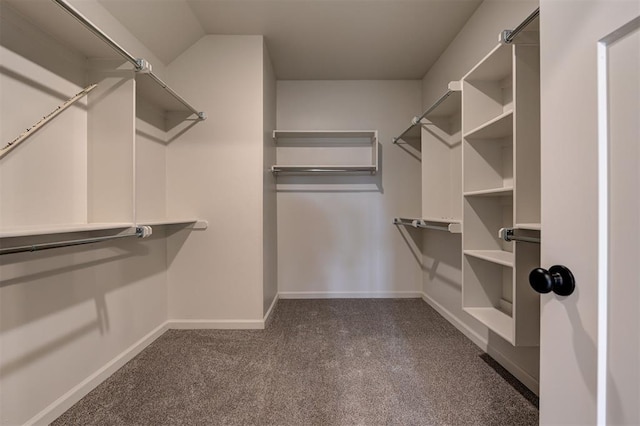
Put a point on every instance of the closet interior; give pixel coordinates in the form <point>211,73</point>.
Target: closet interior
<point>98,162</point>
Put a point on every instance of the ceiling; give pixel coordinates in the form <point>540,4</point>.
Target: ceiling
<point>308,39</point>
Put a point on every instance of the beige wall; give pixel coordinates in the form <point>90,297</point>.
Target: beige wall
<point>442,279</point>
<point>215,171</point>
<point>335,233</point>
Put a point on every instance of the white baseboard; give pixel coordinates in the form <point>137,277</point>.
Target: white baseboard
<point>190,324</point>
<point>267,317</point>
<point>524,377</point>
<point>349,294</point>
<point>62,404</point>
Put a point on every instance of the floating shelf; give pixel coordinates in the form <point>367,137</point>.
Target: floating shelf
<point>62,229</point>
<point>501,257</point>
<point>496,128</point>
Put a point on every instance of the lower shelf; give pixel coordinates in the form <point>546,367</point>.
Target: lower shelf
<point>500,257</point>
<point>496,320</point>
<point>195,223</point>
<point>61,229</point>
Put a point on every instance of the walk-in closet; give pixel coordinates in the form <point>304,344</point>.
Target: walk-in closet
<point>286,212</point>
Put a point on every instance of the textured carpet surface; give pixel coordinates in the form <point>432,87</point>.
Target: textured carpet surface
<point>320,362</point>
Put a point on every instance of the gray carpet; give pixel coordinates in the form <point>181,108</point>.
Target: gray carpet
<point>320,362</point>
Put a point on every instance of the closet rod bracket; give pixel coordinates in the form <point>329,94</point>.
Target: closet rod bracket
<point>143,66</point>
<point>508,234</point>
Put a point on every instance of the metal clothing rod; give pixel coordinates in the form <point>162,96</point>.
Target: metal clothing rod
<point>139,64</point>
<point>508,234</point>
<point>141,232</point>
<point>509,36</point>
<point>33,129</point>
<point>293,169</point>
<point>417,120</point>
<point>98,32</point>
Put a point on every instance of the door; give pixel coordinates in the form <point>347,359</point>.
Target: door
<point>590,96</point>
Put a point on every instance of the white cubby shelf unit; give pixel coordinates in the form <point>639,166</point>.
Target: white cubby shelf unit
<point>100,164</point>
<point>501,187</point>
<point>326,151</point>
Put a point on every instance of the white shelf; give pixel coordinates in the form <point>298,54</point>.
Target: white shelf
<point>325,134</point>
<point>62,229</point>
<point>313,169</point>
<point>496,320</point>
<point>528,226</point>
<point>196,223</point>
<point>156,94</point>
<point>357,148</point>
<point>496,128</point>
<point>491,192</point>
<point>493,67</point>
<point>61,26</point>
<point>500,257</point>
<point>453,226</point>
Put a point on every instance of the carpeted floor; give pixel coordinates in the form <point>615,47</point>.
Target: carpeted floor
<point>320,362</point>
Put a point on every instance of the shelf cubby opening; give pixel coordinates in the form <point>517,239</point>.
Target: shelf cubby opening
<point>483,218</point>
<point>488,294</point>
<point>488,164</point>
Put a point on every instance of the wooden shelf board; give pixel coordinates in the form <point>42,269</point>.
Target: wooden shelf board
<point>149,89</point>
<point>62,229</point>
<point>528,226</point>
<point>197,223</point>
<point>496,320</point>
<point>501,257</point>
<point>300,134</point>
<point>493,67</point>
<point>491,192</point>
<point>496,128</point>
<point>62,27</point>
<point>441,220</point>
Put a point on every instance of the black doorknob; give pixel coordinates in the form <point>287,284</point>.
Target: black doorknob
<point>558,279</point>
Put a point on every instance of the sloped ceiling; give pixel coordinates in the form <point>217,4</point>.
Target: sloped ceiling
<point>308,39</point>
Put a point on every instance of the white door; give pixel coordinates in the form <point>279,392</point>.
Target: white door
<point>590,115</point>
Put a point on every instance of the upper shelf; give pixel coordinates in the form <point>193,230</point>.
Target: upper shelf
<point>306,141</point>
<point>372,135</point>
<point>496,66</point>
<point>446,105</point>
<point>62,22</point>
